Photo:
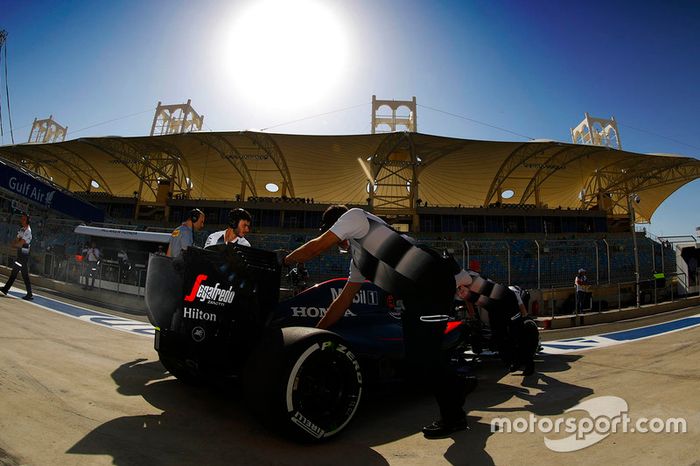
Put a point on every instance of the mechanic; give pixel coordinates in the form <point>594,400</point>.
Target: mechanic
<point>506,312</point>
<point>581,285</point>
<point>238,226</point>
<point>21,242</point>
<point>92,257</point>
<point>519,292</point>
<point>522,350</point>
<point>420,276</point>
<point>182,237</point>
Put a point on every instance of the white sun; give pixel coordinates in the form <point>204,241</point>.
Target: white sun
<point>286,52</point>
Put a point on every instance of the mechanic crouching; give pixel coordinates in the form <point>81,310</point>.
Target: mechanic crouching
<point>418,275</point>
<point>506,313</point>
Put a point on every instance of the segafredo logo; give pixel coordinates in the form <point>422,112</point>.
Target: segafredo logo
<point>362,297</point>
<point>210,294</point>
<point>198,314</point>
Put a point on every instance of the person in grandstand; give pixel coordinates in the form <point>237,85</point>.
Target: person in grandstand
<point>420,276</point>
<point>182,237</point>
<point>21,242</point>
<point>238,226</point>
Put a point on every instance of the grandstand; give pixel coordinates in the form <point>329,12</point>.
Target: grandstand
<point>530,213</point>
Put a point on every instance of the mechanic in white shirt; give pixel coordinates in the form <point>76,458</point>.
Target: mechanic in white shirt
<point>91,256</point>
<point>418,275</point>
<point>238,226</point>
<point>21,242</point>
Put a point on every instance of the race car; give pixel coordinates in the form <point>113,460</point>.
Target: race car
<point>218,315</point>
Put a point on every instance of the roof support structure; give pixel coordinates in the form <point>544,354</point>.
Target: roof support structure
<point>605,179</point>
<point>410,122</point>
<point>229,153</point>
<point>265,143</point>
<point>47,130</point>
<point>518,157</point>
<point>151,163</point>
<point>46,160</point>
<point>617,185</point>
<point>556,162</point>
<point>597,131</point>
<point>176,118</point>
<point>394,168</point>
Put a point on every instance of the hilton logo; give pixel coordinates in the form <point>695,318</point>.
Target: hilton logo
<point>198,314</point>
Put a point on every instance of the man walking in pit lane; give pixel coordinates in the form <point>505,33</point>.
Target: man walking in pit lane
<point>182,237</point>
<point>420,276</point>
<point>21,242</point>
<point>238,226</point>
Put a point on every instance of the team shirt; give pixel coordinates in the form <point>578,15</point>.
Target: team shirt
<point>181,238</point>
<point>354,224</point>
<point>91,254</point>
<point>581,283</point>
<point>25,233</point>
<point>218,238</point>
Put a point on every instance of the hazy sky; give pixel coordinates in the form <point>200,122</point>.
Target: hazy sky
<point>311,66</point>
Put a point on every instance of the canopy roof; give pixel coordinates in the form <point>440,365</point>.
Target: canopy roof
<point>404,166</point>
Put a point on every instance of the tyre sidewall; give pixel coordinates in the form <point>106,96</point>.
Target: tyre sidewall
<point>276,372</point>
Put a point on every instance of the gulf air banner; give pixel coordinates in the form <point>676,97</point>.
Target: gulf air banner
<point>23,184</point>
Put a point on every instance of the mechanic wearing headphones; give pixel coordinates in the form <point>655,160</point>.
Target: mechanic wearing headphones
<point>238,226</point>
<point>21,242</point>
<point>182,237</point>
<point>420,276</point>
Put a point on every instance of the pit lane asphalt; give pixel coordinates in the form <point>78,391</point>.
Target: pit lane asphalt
<point>78,394</point>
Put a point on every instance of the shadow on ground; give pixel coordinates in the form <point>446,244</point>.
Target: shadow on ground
<point>211,425</point>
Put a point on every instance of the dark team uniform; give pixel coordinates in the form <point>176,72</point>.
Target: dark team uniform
<point>425,282</point>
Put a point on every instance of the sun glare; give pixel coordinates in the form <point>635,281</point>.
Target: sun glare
<point>286,53</point>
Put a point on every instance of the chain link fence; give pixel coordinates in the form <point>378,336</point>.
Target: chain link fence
<point>529,263</point>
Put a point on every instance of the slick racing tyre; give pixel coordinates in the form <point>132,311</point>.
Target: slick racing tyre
<point>305,382</point>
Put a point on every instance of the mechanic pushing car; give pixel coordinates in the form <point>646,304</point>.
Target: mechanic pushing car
<point>511,332</point>
<point>417,274</point>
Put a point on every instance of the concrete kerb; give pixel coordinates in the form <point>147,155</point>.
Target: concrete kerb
<point>592,318</point>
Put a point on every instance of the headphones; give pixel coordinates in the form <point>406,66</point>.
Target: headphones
<point>195,214</point>
<point>236,215</point>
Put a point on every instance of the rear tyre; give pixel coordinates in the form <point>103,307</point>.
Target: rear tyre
<point>304,382</point>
